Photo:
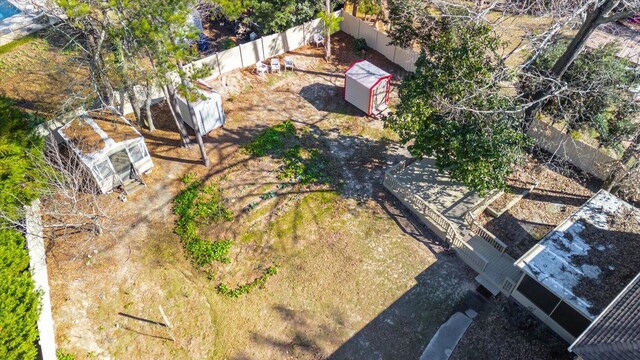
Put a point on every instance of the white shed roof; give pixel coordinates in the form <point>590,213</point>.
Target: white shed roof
<point>93,134</point>
<point>551,261</point>
<point>366,73</point>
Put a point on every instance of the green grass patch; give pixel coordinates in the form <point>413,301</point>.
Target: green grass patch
<point>14,44</point>
<point>246,288</point>
<point>300,165</point>
<point>271,140</point>
<point>304,166</point>
<point>201,204</point>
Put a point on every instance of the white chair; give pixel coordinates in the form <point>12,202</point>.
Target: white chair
<point>288,63</point>
<point>275,65</point>
<point>318,39</point>
<point>261,68</point>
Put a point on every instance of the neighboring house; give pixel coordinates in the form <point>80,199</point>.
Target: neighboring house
<point>566,280</point>
<point>19,18</point>
<point>113,152</point>
<point>615,334</point>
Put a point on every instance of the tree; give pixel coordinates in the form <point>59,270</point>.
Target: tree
<point>271,16</point>
<point>168,38</point>
<point>598,13</point>
<point>20,150</point>
<point>331,24</point>
<point>597,96</point>
<point>452,108</point>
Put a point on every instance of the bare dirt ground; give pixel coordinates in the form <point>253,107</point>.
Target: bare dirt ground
<point>41,73</point>
<point>358,278</point>
<point>506,331</point>
<point>561,191</point>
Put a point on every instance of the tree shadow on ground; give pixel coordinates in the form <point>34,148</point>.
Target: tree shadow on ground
<point>400,331</point>
<point>328,98</point>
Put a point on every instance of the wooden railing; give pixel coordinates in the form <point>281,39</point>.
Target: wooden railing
<point>475,260</point>
<point>470,218</point>
<point>487,236</point>
<point>422,208</point>
<point>508,285</point>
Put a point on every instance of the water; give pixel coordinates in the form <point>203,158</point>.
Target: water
<point>7,9</point>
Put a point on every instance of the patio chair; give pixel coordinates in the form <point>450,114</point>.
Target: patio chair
<point>275,65</point>
<point>318,39</point>
<point>261,68</point>
<point>288,63</point>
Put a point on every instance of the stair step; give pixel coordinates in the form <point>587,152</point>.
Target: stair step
<point>131,187</point>
<point>484,281</point>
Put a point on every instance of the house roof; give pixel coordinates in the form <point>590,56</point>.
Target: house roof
<point>616,332</point>
<point>366,73</point>
<point>590,257</point>
<point>93,133</point>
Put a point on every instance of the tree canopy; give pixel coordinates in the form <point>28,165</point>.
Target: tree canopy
<point>597,96</point>
<point>452,108</point>
<point>20,150</point>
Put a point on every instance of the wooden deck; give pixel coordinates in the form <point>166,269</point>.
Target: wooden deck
<point>441,204</point>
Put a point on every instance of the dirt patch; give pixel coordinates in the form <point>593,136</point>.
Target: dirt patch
<point>614,251</point>
<point>560,192</point>
<point>507,331</point>
<point>44,74</point>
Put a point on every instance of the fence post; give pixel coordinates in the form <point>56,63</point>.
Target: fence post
<point>219,66</point>
<point>241,58</point>
<point>359,22</point>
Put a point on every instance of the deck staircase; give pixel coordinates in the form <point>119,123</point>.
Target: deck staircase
<point>477,247</point>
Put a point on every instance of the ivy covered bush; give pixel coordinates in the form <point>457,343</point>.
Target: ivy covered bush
<point>201,204</point>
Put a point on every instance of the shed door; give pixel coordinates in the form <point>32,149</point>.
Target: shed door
<point>121,164</point>
<point>380,96</point>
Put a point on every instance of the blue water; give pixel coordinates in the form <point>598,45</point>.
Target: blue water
<point>7,9</point>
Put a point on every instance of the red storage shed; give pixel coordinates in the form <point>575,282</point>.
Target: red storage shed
<point>367,87</point>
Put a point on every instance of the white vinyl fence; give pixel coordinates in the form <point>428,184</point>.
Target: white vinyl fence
<point>379,42</point>
<point>582,155</point>
<point>266,47</point>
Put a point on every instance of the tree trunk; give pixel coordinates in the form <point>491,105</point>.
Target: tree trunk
<point>133,100</point>
<point>170,94</point>
<point>327,44</point>
<point>354,11</point>
<point>592,21</point>
<point>147,108</point>
<point>194,123</point>
<point>619,171</point>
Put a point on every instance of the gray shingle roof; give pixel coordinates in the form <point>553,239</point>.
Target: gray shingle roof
<point>615,334</point>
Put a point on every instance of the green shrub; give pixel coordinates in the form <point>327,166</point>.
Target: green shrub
<point>246,288</point>
<point>20,183</point>
<point>359,45</point>
<point>227,44</point>
<point>19,302</point>
<point>61,355</point>
<point>271,140</point>
<point>201,204</point>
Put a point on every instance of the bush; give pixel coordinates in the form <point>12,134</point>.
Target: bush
<point>227,44</point>
<point>359,45</point>
<point>201,204</point>
<point>19,302</point>
<point>246,288</point>
<point>20,183</point>
<point>61,355</point>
